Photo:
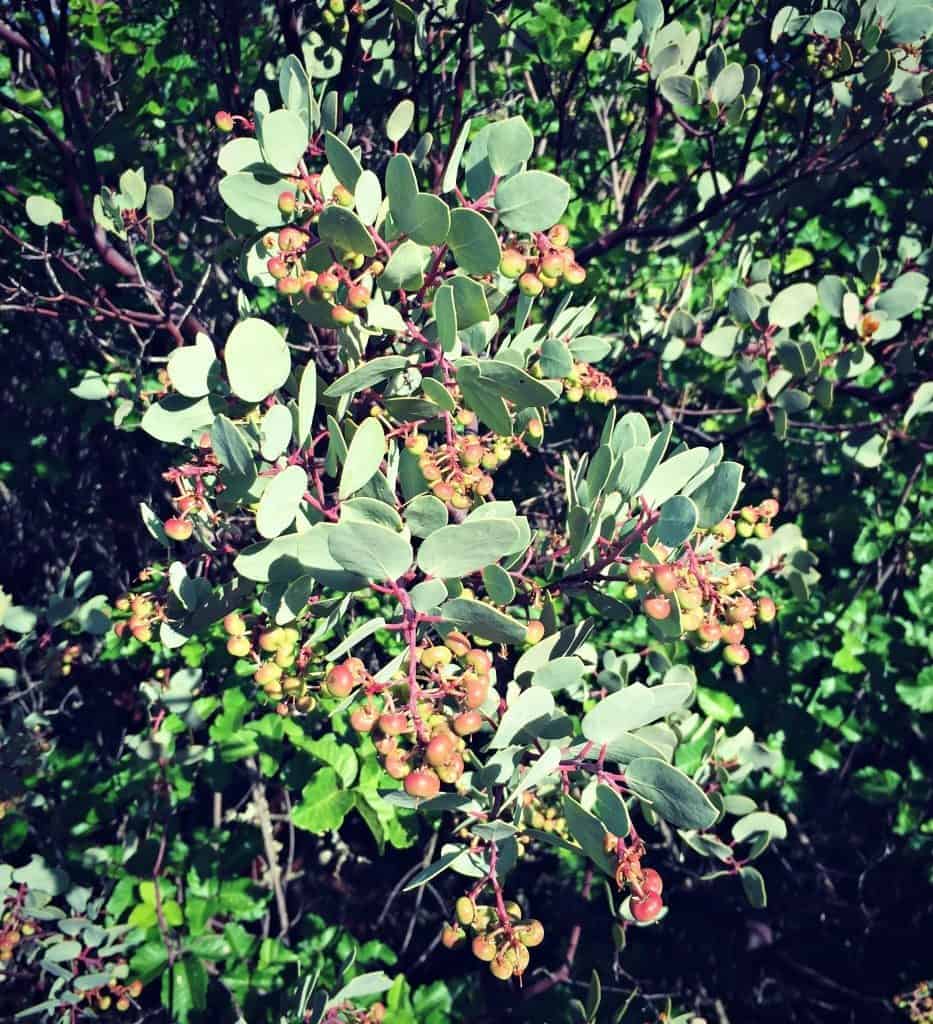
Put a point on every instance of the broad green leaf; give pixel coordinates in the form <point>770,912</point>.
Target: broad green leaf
<point>292,556</point>
<point>905,295</point>
<point>508,144</point>
<point>400,120</point>
<point>424,514</point>
<point>159,202</point>
<point>589,832</point>
<point>754,886</point>
<point>672,795</point>
<point>342,229</point>
<point>370,551</point>
<point>633,707</point>
<point>445,314</point>
<point>364,456</point>
<point>43,211</point>
<point>257,359</point>
<point>254,197</point>
<point>759,821</point>
<point>473,242</point>
<point>559,674</point>
<point>283,137</point>
<point>679,90</point>
<point>715,498</point>
<point>175,418</point>
<point>671,475</point>
<point>458,550</point>
<point>342,162</point>
<point>532,201</point>
<point>366,376</point>
<point>532,709</point>
<point>279,503</point>
<point>189,367</point>
<point>324,804</point>
<point>231,448</point>
<point>498,584</point>
<point>610,808</point>
<point>678,521</point>
<point>480,619</point>
<point>406,267</point>
<point>368,197</point>
<point>791,305</point>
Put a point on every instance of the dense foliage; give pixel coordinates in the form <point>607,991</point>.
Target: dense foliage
<point>465,487</point>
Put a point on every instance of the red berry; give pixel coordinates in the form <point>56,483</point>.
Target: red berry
<point>467,723</point>
<point>422,783</point>
<point>287,202</point>
<point>652,881</point>
<point>440,749</point>
<point>341,315</point>
<point>657,607</point>
<point>177,529</point>
<point>736,654</point>
<point>646,909</point>
<point>339,681</point>
<point>393,723</point>
<point>224,121</point>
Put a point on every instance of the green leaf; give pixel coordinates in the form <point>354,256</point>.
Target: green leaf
<point>671,475</point>
<point>434,869</point>
<point>458,550</point>
<point>791,305</point>
<point>279,503</point>
<point>473,242</point>
<point>133,188</point>
<point>715,498</point>
<point>368,197</point>
<point>508,144</point>
<point>186,987</point>
<point>743,304</point>
<point>253,197</point>
<point>754,886</point>
<point>406,267</point>
<point>175,418</point>
<point>480,619</point>
<point>679,90</point>
<point>490,408</point>
<point>531,710</point>
<point>400,120</point>
<point>291,556</point>
<point>515,385</point>
<point>759,821</point>
<point>678,520</point>
<point>498,584</point>
<point>672,795</point>
<point>371,551</point>
<point>611,810</point>
<point>307,402</point>
<point>452,170</point>
<point>342,229</point>
<point>424,514</point>
<point>342,162</point>
<point>905,295</point>
<point>283,136</point>
<point>532,201</point>
<point>589,832</point>
<point>159,202</point>
<point>635,706</point>
<point>323,805</point>
<point>366,376</point>
<point>189,367</point>
<point>43,211</point>
<point>470,302</point>
<point>257,359</point>
<point>364,456</point>
<point>231,448</point>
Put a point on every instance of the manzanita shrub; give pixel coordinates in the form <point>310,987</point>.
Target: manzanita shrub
<point>390,589</point>
<point>301,501</point>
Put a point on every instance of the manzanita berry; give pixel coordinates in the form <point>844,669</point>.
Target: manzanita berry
<point>339,681</point>
<point>287,202</point>
<point>646,909</point>
<point>468,722</point>
<point>177,529</point>
<point>736,654</point>
<point>440,749</point>
<point>652,881</point>
<point>657,607</point>
<point>342,316</point>
<point>530,285</point>
<point>534,632</point>
<point>223,119</point>
<point>358,296</point>
<point>422,783</point>
<point>767,609</point>
<point>512,264</point>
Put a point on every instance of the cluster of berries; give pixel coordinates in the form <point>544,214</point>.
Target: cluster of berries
<point>335,285</point>
<point>114,995</point>
<point>500,939</point>
<point>144,613</point>
<point>645,885</point>
<point>280,662</point>
<point>753,521</point>
<point>585,381</point>
<point>536,814</point>
<point>918,1003</point>
<point>711,596</point>
<point>454,681</point>
<point>542,263</point>
<point>13,930</point>
<point>458,470</point>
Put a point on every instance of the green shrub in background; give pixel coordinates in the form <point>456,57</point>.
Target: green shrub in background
<point>430,614</point>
